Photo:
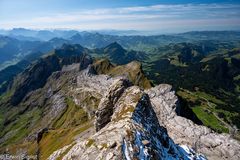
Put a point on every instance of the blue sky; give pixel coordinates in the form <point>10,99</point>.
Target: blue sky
<point>147,15</point>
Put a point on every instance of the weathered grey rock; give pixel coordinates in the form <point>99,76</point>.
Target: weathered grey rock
<point>58,152</point>
<point>185,132</point>
<point>133,123</point>
<point>71,67</point>
<point>106,106</point>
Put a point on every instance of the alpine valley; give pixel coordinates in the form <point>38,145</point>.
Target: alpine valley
<point>66,94</point>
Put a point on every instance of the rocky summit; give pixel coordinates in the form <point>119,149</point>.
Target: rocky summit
<point>91,109</point>
<point>133,123</point>
<point>133,131</point>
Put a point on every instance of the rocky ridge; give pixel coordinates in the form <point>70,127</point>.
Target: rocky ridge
<point>132,123</point>
<point>62,104</point>
<point>132,133</point>
<point>184,131</point>
<point>95,110</point>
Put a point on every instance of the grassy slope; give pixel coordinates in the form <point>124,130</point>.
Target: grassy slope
<point>209,119</point>
<point>204,109</point>
<point>71,123</point>
<point>63,132</point>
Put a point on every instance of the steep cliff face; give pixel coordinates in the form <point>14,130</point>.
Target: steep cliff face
<point>37,74</point>
<point>133,131</point>
<point>144,125</point>
<point>184,131</point>
<point>106,106</point>
<point>34,77</point>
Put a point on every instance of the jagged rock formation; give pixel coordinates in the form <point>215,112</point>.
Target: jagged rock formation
<point>36,75</point>
<point>184,131</point>
<point>133,133</point>
<point>106,106</point>
<point>140,122</point>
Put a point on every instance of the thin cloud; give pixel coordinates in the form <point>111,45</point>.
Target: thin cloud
<point>139,17</point>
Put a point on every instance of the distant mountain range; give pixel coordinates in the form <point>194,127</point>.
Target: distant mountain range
<point>33,35</point>
<point>19,42</point>
<point>115,52</point>
<point>203,67</point>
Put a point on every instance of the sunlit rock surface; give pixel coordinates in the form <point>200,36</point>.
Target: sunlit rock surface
<point>133,131</point>
<point>185,132</point>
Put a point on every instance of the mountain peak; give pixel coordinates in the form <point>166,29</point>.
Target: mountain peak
<point>76,36</point>
<point>114,45</point>
<point>115,51</point>
<point>69,50</point>
<point>68,46</point>
<point>37,74</point>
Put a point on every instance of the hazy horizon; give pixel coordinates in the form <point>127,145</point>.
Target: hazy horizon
<point>119,32</point>
<point>155,16</point>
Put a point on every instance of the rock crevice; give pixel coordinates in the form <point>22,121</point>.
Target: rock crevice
<point>106,107</point>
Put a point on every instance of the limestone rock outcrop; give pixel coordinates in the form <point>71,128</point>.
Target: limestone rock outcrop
<point>184,131</point>
<point>107,103</point>
<point>131,132</point>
